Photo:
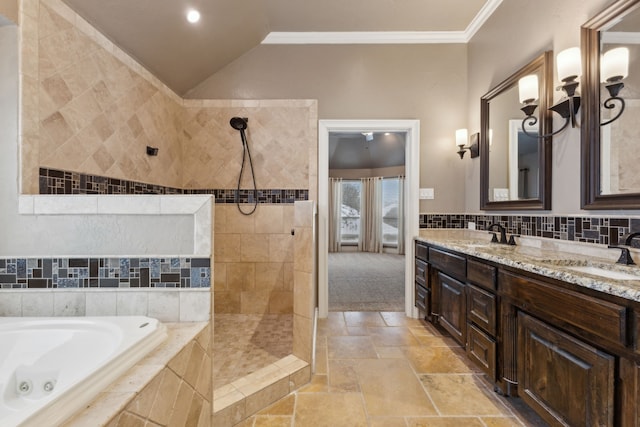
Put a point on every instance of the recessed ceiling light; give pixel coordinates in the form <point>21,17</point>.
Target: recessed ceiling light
<point>193,16</point>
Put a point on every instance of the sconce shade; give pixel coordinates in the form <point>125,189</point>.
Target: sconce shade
<point>462,137</point>
<point>614,64</point>
<point>528,88</point>
<point>569,64</point>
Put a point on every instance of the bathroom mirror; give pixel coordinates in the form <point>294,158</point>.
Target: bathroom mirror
<point>610,155</point>
<point>515,169</point>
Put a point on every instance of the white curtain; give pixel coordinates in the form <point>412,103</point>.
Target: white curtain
<point>335,210</point>
<point>401,215</point>
<point>371,215</point>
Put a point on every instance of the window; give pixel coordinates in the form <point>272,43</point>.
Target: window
<point>390,198</point>
<point>350,212</point>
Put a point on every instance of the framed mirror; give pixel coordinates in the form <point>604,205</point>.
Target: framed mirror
<point>610,158</point>
<point>515,169</point>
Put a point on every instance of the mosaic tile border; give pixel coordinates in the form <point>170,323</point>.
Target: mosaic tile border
<point>54,181</point>
<point>86,272</point>
<point>601,230</point>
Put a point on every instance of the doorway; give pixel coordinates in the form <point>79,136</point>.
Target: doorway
<point>409,128</point>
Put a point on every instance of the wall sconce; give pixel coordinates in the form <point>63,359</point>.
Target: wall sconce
<point>614,67</point>
<point>152,151</point>
<point>569,69</point>
<point>461,140</point>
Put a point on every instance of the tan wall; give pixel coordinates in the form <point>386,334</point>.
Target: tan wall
<point>253,270</point>
<point>425,82</point>
<point>517,32</point>
<point>9,9</point>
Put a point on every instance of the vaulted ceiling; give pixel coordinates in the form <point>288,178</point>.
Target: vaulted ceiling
<point>182,55</point>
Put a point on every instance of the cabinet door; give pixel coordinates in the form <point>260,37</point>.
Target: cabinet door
<point>453,311</point>
<point>566,381</point>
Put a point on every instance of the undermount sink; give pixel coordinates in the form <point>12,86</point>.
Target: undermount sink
<point>609,274</point>
<point>609,271</point>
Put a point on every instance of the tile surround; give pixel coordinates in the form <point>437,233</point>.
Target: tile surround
<point>171,386</point>
<point>123,272</point>
<point>602,230</point>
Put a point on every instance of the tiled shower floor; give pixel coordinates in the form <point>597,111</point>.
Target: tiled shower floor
<point>244,343</point>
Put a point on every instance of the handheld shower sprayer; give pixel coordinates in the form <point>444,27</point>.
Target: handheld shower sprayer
<point>241,124</point>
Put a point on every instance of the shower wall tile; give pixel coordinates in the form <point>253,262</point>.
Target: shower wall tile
<point>604,230</point>
<point>95,108</point>
<point>254,255</point>
<point>90,108</point>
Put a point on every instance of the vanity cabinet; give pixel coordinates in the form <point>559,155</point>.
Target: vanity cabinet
<point>564,379</point>
<point>570,353</point>
<point>452,305</point>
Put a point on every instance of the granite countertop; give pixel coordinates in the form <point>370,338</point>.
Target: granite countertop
<point>584,265</point>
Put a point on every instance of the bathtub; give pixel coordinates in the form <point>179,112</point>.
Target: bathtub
<point>52,367</point>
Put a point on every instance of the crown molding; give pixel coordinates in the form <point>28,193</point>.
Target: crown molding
<point>386,37</point>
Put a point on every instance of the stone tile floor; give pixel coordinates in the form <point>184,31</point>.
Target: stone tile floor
<point>383,369</point>
<point>244,343</point>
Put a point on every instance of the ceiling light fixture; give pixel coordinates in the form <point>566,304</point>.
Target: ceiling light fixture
<point>193,16</point>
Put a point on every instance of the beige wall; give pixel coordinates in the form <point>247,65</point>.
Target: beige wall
<point>517,32</point>
<point>425,82</point>
<point>9,9</point>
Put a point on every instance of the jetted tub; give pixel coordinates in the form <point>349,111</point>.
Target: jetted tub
<point>50,367</point>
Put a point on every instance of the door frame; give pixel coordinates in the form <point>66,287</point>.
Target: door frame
<point>411,190</point>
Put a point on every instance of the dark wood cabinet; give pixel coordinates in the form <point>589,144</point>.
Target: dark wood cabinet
<point>571,353</point>
<point>422,285</point>
<point>565,380</point>
<point>452,315</point>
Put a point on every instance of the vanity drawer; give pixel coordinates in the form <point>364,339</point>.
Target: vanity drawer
<point>421,251</point>
<point>481,349</point>
<point>454,265</point>
<point>604,319</point>
<point>481,274</point>
<point>481,309</point>
<point>421,272</point>
<point>422,299</point>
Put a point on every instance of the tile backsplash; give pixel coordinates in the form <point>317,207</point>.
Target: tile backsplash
<point>122,272</point>
<point>603,230</point>
<point>55,181</point>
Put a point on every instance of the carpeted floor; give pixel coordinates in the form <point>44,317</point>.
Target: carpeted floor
<point>363,281</point>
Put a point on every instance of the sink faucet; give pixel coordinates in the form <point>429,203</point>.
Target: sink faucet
<point>625,255</point>
<point>503,233</point>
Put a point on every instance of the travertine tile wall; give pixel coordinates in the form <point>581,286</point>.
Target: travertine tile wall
<point>88,107</point>
<point>253,269</point>
<point>180,395</point>
<point>305,290</point>
<point>170,387</point>
<point>282,136</point>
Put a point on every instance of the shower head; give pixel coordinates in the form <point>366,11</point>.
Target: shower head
<point>239,123</point>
